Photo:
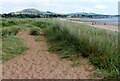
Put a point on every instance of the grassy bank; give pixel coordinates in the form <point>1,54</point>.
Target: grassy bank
<point>7,22</point>
<point>71,40</point>
<point>12,45</point>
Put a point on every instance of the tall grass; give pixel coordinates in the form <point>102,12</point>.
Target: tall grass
<point>6,22</point>
<point>11,44</point>
<point>71,40</point>
<point>10,31</point>
<point>35,31</point>
<point>11,47</point>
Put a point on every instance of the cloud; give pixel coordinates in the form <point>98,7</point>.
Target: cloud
<point>24,0</point>
<point>59,0</point>
<point>100,6</point>
<point>60,6</point>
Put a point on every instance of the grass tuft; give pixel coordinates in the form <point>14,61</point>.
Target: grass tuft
<point>11,47</point>
<point>34,31</point>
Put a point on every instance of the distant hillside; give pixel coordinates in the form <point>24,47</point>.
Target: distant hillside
<point>90,15</point>
<point>32,11</point>
<point>37,12</point>
<point>83,13</point>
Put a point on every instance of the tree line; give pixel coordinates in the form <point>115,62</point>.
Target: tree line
<point>32,15</point>
<point>54,16</point>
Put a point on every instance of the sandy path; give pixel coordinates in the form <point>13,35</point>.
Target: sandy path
<point>98,25</point>
<point>38,63</point>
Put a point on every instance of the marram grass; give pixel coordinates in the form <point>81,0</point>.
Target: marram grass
<point>71,40</point>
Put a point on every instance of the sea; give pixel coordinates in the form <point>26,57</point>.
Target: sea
<point>113,20</point>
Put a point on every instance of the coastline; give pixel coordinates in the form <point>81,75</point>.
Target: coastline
<point>97,24</point>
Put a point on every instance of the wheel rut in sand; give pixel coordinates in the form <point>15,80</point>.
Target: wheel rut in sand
<point>38,63</point>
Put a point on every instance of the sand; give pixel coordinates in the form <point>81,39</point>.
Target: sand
<point>108,26</point>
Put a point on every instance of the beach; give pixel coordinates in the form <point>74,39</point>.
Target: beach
<point>99,24</point>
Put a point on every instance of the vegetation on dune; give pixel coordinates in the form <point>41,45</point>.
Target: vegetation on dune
<point>41,24</point>
<point>11,44</point>
<point>34,31</point>
<point>71,40</point>
<point>11,47</point>
<point>7,22</point>
<point>10,31</point>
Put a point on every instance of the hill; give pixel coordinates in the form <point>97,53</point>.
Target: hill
<point>32,11</point>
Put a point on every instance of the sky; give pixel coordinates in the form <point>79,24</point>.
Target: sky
<point>109,7</point>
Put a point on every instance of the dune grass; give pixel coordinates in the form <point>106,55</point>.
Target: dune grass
<point>6,22</point>
<point>71,40</point>
<point>35,31</point>
<point>12,45</point>
<point>10,31</point>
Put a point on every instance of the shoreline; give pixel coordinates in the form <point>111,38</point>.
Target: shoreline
<point>97,24</point>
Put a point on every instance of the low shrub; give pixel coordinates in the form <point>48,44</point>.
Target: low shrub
<point>34,31</point>
<point>10,31</point>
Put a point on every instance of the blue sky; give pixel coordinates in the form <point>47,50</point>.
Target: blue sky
<point>62,6</point>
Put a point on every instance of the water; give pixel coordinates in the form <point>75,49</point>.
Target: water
<point>110,20</point>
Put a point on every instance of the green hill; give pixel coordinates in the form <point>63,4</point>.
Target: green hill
<point>29,11</point>
<point>36,13</point>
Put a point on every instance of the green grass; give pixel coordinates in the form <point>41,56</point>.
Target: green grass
<point>38,39</point>
<point>100,73</point>
<point>34,31</point>
<point>71,40</point>
<point>41,23</point>
<point>77,63</point>
<point>11,47</point>
<point>10,31</point>
<point>6,22</point>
